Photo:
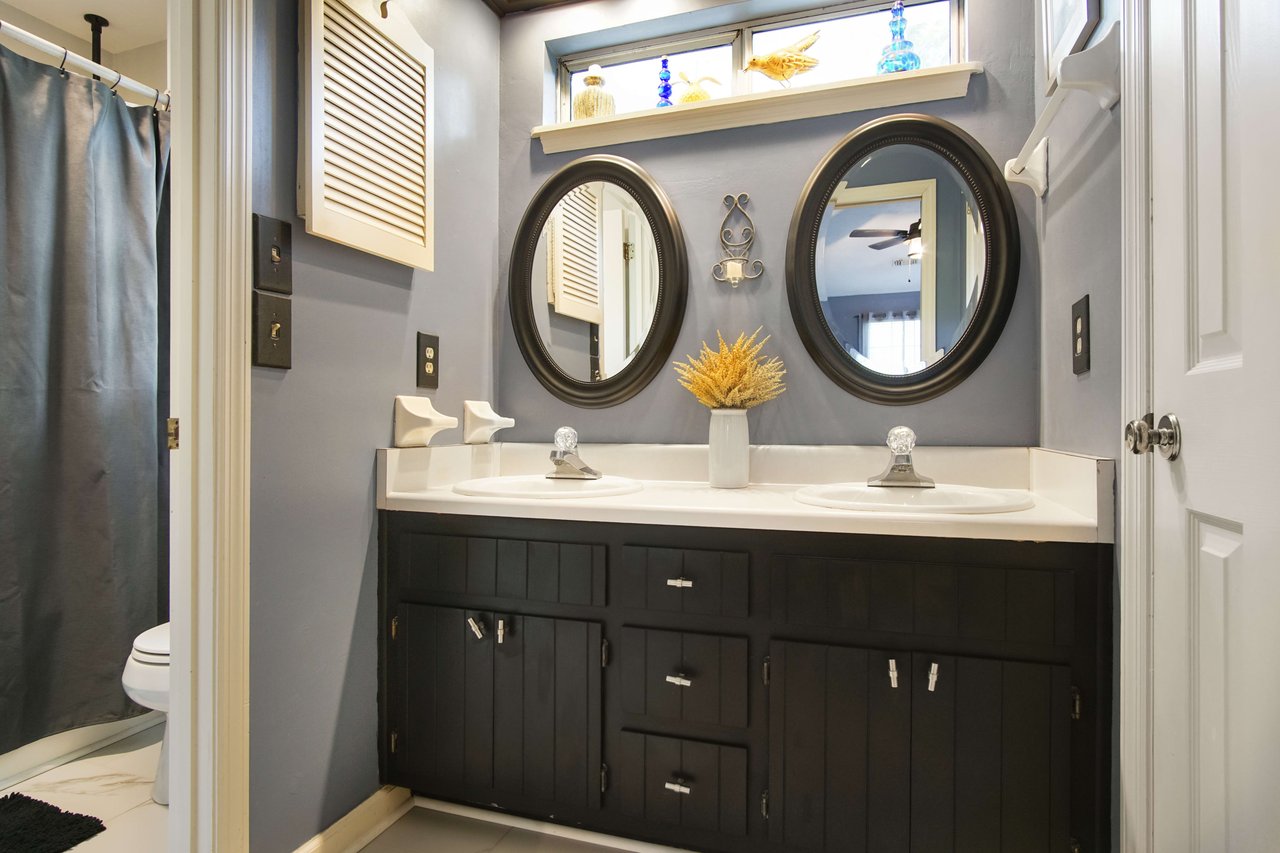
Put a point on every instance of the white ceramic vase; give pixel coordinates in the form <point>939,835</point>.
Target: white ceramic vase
<point>728,449</point>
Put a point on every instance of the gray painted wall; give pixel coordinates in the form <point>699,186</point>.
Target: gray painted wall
<point>314,547</point>
<point>1078,225</point>
<point>998,405</point>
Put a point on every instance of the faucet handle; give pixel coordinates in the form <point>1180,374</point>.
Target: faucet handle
<point>566,439</point>
<point>902,440</point>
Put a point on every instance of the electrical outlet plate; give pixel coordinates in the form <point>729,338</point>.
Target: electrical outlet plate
<point>272,254</point>
<point>1080,337</point>
<point>272,331</point>
<point>428,360</point>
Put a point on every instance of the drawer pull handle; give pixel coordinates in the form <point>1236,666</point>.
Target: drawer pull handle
<point>682,583</point>
<point>476,628</point>
<point>679,680</point>
<point>893,673</point>
<point>933,677</point>
<point>502,630</point>
<point>678,786</point>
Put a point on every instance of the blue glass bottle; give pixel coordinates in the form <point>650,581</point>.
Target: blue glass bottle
<point>898,54</point>
<point>664,84</point>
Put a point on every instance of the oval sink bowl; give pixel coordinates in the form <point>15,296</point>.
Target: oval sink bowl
<point>538,487</point>
<point>941,499</point>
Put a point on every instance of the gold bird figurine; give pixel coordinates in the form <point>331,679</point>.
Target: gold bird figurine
<point>782,65</point>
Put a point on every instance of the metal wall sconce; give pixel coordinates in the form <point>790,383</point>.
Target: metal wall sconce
<point>737,265</point>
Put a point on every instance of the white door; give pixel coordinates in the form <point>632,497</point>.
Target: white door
<point>1215,136</point>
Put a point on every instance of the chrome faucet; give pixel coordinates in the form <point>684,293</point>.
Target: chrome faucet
<point>568,465</point>
<point>901,471</point>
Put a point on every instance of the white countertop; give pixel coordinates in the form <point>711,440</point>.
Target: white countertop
<point>1073,493</point>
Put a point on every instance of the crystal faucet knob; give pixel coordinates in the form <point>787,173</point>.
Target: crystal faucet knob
<point>566,439</point>
<point>901,440</point>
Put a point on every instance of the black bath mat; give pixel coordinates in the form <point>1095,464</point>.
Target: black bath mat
<point>32,826</point>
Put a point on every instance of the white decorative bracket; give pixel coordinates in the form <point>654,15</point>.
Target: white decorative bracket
<point>1097,71</point>
<point>416,421</point>
<point>480,422</point>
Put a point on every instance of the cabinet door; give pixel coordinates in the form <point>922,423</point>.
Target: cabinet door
<point>500,706</point>
<point>990,744</point>
<point>839,748</point>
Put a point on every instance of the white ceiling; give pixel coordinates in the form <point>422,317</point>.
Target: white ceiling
<point>133,23</point>
<point>851,266</point>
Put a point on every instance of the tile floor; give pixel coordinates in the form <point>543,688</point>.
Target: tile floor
<point>425,831</point>
<point>113,784</point>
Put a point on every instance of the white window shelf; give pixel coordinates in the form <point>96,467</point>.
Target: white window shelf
<point>891,90</point>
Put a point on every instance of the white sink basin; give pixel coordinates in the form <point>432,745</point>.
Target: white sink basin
<point>941,499</point>
<point>539,487</point>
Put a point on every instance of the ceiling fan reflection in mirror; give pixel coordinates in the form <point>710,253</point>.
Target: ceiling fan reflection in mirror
<point>896,237</point>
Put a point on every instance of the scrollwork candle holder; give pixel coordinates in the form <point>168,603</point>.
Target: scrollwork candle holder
<point>737,264</point>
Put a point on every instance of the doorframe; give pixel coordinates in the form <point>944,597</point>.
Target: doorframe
<point>210,75</point>
<point>1135,526</point>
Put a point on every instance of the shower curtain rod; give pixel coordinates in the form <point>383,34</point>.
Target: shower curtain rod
<point>77,64</point>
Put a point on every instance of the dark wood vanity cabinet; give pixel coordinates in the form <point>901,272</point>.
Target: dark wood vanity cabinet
<point>736,690</point>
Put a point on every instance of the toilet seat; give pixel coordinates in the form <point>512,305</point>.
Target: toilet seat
<point>153,643</point>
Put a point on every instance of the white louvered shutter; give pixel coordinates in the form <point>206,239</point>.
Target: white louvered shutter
<point>366,170</point>
<point>573,262</point>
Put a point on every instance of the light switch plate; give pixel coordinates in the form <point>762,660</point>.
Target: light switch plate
<point>272,254</point>
<point>272,331</point>
<point>1080,336</point>
<point>428,360</point>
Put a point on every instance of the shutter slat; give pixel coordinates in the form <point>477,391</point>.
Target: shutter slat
<point>344,20</point>
<point>373,212</point>
<point>343,57</point>
<point>404,194</point>
<point>407,124</point>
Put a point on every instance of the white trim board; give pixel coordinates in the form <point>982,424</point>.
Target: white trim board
<point>361,825</point>
<point>35,758</point>
<point>601,840</point>
<point>904,87</point>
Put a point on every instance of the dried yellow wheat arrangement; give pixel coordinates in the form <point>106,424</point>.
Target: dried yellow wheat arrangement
<point>732,377</point>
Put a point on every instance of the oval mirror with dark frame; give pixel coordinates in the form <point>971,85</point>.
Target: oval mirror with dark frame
<point>903,259</point>
<point>598,282</point>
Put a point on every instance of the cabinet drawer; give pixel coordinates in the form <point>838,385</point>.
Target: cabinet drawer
<point>698,678</point>
<point>564,573</point>
<point>967,602</point>
<point>683,580</point>
<point>688,783</point>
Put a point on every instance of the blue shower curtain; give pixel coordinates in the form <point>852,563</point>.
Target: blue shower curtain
<point>82,179</point>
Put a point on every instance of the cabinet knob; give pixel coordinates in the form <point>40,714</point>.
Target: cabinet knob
<point>933,677</point>
<point>476,627</point>
<point>683,583</point>
<point>893,673</point>
<point>679,680</point>
<point>678,786</point>
<point>502,630</point>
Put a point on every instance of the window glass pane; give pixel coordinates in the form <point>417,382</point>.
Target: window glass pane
<point>634,85</point>
<point>850,47</point>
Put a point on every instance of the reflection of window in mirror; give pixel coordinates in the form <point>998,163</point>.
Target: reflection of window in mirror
<point>879,258</point>
<point>890,343</point>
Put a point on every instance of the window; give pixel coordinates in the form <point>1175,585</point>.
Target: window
<point>710,64</point>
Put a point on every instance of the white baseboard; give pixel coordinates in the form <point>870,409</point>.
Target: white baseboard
<point>362,824</point>
<point>573,834</point>
<point>55,750</point>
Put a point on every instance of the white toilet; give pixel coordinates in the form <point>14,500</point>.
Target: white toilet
<point>146,681</point>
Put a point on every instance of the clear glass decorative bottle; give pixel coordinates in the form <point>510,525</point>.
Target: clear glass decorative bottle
<point>593,101</point>
<point>664,84</point>
<point>898,54</point>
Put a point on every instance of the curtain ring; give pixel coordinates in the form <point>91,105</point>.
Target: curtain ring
<point>155,107</point>
<point>119,77</point>
<point>63,66</point>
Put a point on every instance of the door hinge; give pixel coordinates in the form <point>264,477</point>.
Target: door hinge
<point>628,251</point>
<point>394,737</point>
<point>604,778</point>
<point>1077,704</point>
<point>395,626</point>
<point>604,653</point>
<point>171,433</point>
<point>764,804</point>
<point>764,671</point>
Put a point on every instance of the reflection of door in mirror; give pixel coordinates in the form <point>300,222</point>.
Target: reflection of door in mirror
<point>600,261</point>
<point>879,274</point>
